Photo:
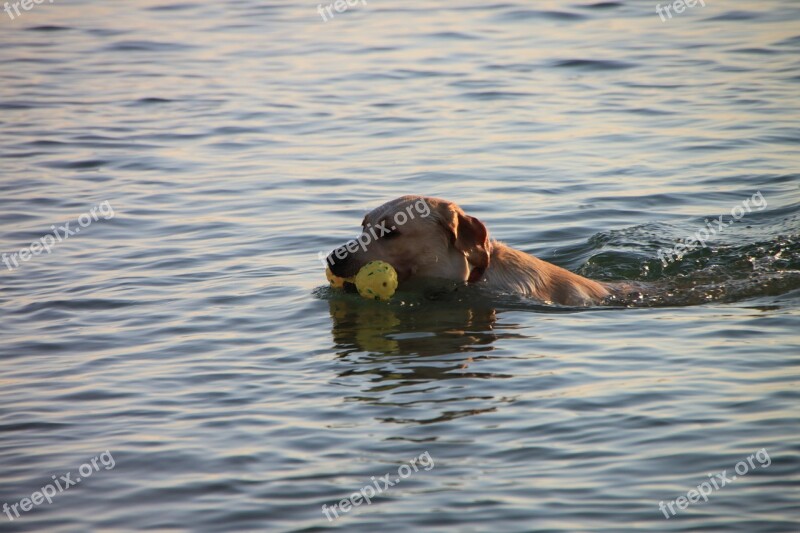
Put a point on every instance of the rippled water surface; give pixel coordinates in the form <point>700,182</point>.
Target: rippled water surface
<point>188,331</point>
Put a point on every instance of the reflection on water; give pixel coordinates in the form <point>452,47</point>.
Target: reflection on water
<point>421,329</point>
<point>399,350</point>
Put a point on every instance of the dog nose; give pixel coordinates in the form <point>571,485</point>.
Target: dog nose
<point>338,266</point>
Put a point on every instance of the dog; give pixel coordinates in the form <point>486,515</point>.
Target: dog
<point>440,241</point>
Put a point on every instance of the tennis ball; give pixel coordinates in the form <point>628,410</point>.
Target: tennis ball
<point>377,280</point>
<point>336,281</point>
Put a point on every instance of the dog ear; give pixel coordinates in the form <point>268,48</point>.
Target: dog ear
<point>473,239</point>
<point>469,236</point>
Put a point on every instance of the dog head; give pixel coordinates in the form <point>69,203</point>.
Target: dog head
<point>420,237</point>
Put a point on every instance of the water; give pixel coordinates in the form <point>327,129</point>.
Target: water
<point>191,336</point>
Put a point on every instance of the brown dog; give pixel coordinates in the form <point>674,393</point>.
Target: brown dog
<point>424,237</point>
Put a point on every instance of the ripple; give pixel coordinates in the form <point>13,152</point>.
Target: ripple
<point>592,64</point>
<point>527,14</point>
<point>148,46</point>
<point>48,28</point>
<point>77,165</point>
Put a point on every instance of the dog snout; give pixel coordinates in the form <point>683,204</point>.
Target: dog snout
<point>343,262</point>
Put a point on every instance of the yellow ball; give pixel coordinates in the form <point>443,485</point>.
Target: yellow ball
<point>335,280</point>
<point>377,280</point>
